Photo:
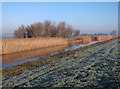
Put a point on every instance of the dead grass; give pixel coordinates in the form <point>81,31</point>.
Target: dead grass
<point>102,37</point>
<point>85,39</point>
<point>21,56</point>
<point>80,40</point>
<point>22,44</point>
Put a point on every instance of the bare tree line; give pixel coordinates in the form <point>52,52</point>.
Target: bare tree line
<point>46,29</point>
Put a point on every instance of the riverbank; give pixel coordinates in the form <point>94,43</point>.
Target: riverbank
<point>31,64</point>
<point>18,58</point>
<point>23,44</point>
<point>102,52</point>
<point>94,66</point>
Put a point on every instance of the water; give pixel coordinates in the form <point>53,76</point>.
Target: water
<point>12,59</point>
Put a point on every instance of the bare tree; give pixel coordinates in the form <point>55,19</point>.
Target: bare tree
<point>29,31</point>
<point>46,29</point>
<point>61,29</point>
<point>53,30</point>
<point>76,32</point>
<point>19,33</point>
<point>16,33</point>
<point>69,31</point>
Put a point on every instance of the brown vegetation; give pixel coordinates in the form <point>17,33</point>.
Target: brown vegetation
<point>102,37</point>
<point>22,44</point>
<point>88,39</point>
<point>46,29</point>
<point>85,39</point>
<point>21,56</point>
<point>80,40</point>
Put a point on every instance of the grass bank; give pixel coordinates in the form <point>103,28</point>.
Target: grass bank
<point>95,66</point>
<point>17,69</point>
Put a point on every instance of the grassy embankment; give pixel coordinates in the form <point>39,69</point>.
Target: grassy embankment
<point>33,64</point>
<point>95,66</point>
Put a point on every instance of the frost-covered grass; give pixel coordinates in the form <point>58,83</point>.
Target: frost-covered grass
<point>95,66</point>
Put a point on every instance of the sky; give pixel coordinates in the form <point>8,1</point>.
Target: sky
<point>89,17</point>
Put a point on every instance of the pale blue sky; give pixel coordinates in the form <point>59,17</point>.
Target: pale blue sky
<point>89,17</point>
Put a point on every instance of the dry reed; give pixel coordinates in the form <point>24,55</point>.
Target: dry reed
<point>102,37</point>
<point>21,56</point>
<point>85,39</point>
<point>80,40</point>
<point>22,44</point>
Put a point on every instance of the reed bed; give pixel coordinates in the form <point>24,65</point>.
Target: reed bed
<point>103,37</point>
<point>88,39</point>
<point>85,39</point>
<point>21,56</point>
<point>23,44</point>
<point>80,40</point>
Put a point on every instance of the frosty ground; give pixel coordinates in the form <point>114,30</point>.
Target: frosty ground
<point>94,67</point>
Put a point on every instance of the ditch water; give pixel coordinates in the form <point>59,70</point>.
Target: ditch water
<point>12,59</point>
